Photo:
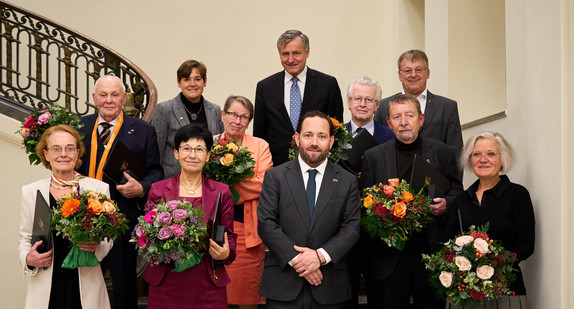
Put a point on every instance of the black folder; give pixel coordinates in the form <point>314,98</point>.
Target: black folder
<point>120,160</point>
<point>361,143</point>
<point>41,229</point>
<point>423,174</point>
<point>217,230</point>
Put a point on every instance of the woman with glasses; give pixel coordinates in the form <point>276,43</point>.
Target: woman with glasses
<point>493,199</point>
<point>203,285</point>
<point>246,270</point>
<point>187,107</point>
<point>50,285</point>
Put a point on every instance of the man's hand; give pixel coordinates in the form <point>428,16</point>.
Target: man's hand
<point>439,206</point>
<point>307,262</point>
<point>314,278</point>
<point>132,188</point>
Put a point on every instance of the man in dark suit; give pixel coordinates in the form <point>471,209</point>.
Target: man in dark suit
<point>100,131</point>
<point>392,277</point>
<point>441,114</point>
<point>363,96</point>
<point>308,235</point>
<point>282,97</point>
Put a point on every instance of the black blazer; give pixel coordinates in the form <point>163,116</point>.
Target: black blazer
<point>139,137</point>
<point>441,119</point>
<point>379,164</point>
<point>271,119</point>
<point>284,221</point>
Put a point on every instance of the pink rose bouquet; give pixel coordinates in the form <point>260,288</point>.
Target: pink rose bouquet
<point>171,232</point>
<point>40,120</point>
<point>471,268</point>
<point>394,212</point>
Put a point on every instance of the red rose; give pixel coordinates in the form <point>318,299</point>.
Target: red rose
<point>476,295</point>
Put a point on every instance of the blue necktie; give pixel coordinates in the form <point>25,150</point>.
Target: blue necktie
<point>311,188</point>
<point>295,104</point>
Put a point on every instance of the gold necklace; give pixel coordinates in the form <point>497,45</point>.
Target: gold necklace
<point>191,191</point>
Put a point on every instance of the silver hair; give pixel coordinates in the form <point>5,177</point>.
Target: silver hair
<point>108,76</point>
<point>367,81</point>
<point>289,36</point>
<point>507,153</point>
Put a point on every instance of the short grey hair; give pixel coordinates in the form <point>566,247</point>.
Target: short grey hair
<point>289,36</point>
<point>507,153</point>
<point>367,81</point>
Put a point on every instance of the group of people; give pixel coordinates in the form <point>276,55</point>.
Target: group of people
<point>317,251</point>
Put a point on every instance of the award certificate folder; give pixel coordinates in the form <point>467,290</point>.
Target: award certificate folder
<point>217,230</point>
<point>41,228</point>
<point>361,143</point>
<point>423,174</point>
<point>121,160</point>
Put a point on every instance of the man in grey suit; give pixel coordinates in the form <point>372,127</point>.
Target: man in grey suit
<point>308,235</point>
<point>282,97</point>
<point>392,277</point>
<point>441,114</point>
<point>187,107</point>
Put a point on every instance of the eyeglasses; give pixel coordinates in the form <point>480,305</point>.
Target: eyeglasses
<point>417,71</point>
<point>186,150</point>
<point>244,119</point>
<point>479,155</point>
<point>58,149</point>
<point>368,101</point>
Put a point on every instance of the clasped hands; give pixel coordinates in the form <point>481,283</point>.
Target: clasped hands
<point>307,264</point>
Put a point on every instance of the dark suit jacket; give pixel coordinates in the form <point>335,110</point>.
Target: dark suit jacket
<point>167,190</point>
<point>272,122</point>
<point>441,119</point>
<point>379,165</point>
<point>139,137</point>
<point>381,133</point>
<point>284,222</point>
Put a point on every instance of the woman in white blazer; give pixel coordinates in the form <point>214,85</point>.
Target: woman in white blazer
<point>50,286</point>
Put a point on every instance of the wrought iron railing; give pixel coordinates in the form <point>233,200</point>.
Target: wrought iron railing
<point>42,61</point>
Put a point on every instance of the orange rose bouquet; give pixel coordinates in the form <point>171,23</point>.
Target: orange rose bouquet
<point>393,212</point>
<point>471,268</point>
<point>86,217</point>
<point>338,152</point>
<point>229,164</point>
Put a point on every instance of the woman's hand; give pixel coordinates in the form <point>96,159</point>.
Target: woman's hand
<point>89,246</point>
<point>219,253</point>
<point>35,259</point>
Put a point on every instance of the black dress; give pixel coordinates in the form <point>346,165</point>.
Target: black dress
<point>508,208</point>
<point>65,290</point>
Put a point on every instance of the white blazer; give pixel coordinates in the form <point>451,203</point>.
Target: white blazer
<point>93,292</point>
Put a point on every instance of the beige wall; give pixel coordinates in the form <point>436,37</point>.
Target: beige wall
<point>237,39</point>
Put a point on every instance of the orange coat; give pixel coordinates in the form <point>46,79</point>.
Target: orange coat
<point>251,188</point>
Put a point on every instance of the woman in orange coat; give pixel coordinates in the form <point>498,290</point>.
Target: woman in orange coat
<point>246,270</point>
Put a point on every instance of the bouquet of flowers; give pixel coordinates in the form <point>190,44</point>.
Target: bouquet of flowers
<point>393,212</point>
<point>42,118</point>
<point>171,232</point>
<point>338,152</point>
<point>229,164</point>
<point>471,268</point>
<point>87,217</point>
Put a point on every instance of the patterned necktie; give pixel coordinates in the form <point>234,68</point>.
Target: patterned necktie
<point>105,135</point>
<point>295,104</point>
<point>311,188</point>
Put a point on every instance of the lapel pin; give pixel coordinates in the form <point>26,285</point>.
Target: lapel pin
<point>131,131</point>
<point>180,118</point>
<point>428,160</point>
<point>335,180</point>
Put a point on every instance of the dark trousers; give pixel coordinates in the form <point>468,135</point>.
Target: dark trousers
<point>121,261</point>
<point>304,300</point>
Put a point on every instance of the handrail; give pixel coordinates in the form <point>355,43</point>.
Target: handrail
<point>42,61</point>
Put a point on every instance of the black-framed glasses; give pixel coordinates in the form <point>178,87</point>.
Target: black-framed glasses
<point>244,119</point>
<point>58,149</point>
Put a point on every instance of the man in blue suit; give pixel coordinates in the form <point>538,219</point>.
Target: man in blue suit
<point>441,114</point>
<point>100,131</point>
<point>363,96</point>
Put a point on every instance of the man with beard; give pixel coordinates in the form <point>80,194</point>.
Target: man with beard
<point>441,114</point>
<point>392,277</point>
<point>308,235</point>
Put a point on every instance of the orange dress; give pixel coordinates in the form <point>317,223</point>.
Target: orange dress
<point>246,270</point>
